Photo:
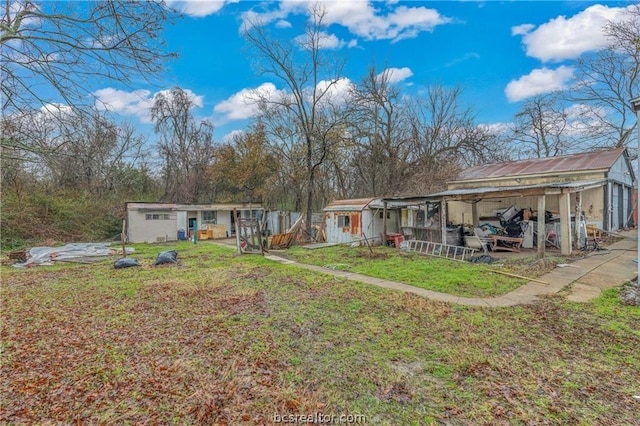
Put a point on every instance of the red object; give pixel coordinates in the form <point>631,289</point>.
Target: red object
<point>394,239</point>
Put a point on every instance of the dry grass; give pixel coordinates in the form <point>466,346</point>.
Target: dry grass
<point>219,339</point>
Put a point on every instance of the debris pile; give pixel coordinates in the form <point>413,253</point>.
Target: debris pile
<point>630,294</point>
<point>76,252</point>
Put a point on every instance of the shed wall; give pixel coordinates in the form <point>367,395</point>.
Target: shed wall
<point>141,230</point>
<point>362,223</point>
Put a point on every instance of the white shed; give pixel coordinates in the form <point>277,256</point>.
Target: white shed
<point>359,219</point>
<point>154,222</point>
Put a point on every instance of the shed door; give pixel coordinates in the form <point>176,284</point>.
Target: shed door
<point>182,221</point>
<point>615,206</point>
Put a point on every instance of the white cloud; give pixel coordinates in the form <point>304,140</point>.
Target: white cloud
<point>244,104</point>
<point>522,29</point>
<point>336,91</point>
<point>229,137</point>
<point>467,56</point>
<point>567,38</point>
<point>137,103</point>
<point>496,128</point>
<point>396,75</point>
<point>537,82</point>
<point>583,118</point>
<point>199,8</point>
<point>325,41</point>
<point>283,24</point>
<point>55,110</point>
<point>361,18</point>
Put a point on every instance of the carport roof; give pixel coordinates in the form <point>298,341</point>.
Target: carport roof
<point>586,161</point>
<point>498,192</point>
<point>356,204</point>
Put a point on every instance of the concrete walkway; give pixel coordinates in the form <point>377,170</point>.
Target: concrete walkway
<point>585,278</point>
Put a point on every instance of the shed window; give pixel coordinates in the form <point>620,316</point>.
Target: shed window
<point>252,214</point>
<point>157,216</point>
<point>209,217</point>
<point>381,214</point>
<point>343,221</point>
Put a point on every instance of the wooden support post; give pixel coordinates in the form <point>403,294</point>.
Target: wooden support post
<point>443,221</point>
<point>474,215</point>
<point>578,216</point>
<point>426,210</point>
<point>565,224</point>
<point>384,223</point>
<point>542,229</point>
<point>237,225</point>
<point>123,238</point>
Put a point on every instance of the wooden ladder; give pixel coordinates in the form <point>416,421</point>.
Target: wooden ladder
<point>441,250</point>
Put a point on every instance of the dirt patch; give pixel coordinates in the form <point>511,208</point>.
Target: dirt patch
<point>398,392</point>
<point>532,267</point>
<point>252,303</point>
<point>407,368</point>
<point>366,254</point>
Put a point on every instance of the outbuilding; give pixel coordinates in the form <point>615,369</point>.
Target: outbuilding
<point>360,220</point>
<point>595,187</point>
<point>155,222</point>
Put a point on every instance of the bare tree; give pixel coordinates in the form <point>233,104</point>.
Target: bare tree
<point>445,137</point>
<point>185,146</point>
<point>310,77</point>
<point>51,52</point>
<point>382,133</point>
<point>540,128</point>
<point>608,79</point>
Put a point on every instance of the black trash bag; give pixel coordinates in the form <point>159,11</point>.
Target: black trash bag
<point>485,258</point>
<point>125,262</point>
<point>165,257</point>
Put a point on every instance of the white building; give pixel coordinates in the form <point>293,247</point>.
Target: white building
<point>359,219</point>
<point>155,222</point>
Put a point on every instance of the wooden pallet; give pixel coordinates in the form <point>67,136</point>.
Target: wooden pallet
<point>440,250</point>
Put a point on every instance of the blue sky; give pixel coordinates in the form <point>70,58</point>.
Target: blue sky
<point>500,53</point>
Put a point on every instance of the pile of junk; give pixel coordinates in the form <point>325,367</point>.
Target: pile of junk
<point>512,222</point>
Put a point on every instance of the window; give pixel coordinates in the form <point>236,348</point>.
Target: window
<point>209,217</point>
<point>157,216</point>
<point>381,214</point>
<point>343,221</point>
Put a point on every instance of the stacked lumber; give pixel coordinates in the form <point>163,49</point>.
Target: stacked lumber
<point>284,241</point>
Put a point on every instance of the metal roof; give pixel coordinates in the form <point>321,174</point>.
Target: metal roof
<point>595,160</point>
<point>491,192</point>
<point>505,190</point>
<point>356,204</point>
<point>191,207</point>
<point>151,206</point>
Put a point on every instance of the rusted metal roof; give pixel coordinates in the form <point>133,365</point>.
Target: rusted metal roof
<point>358,204</point>
<point>595,160</point>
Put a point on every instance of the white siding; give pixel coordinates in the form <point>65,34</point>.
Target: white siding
<point>141,230</point>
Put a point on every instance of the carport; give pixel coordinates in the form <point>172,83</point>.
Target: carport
<point>562,191</point>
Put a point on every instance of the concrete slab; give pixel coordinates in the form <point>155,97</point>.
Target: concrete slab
<point>582,293</point>
<point>603,280</point>
<point>532,289</point>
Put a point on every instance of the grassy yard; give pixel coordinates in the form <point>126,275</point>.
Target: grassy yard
<point>221,339</point>
<point>432,273</point>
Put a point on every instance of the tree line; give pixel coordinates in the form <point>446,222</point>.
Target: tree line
<point>66,169</point>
